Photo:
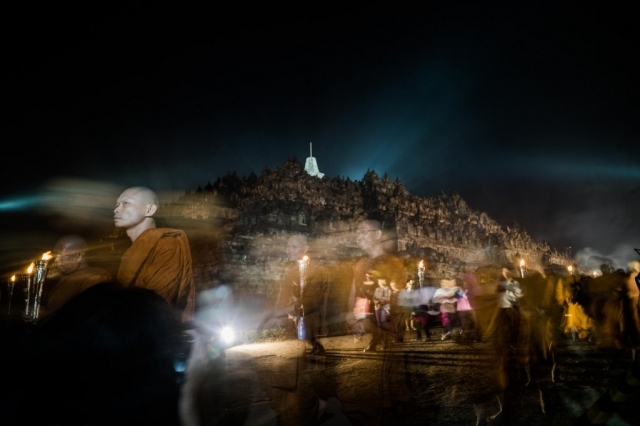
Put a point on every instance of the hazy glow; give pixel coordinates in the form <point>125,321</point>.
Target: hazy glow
<point>227,335</point>
<point>19,203</point>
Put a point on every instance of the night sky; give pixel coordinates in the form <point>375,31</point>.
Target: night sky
<point>529,111</point>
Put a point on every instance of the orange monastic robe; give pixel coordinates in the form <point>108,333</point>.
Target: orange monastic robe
<point>69,286</point>
<point>160,260</point>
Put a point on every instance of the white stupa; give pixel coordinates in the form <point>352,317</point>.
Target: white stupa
<point>311,165</point>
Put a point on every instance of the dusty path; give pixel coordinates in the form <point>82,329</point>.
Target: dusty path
<point>430,383</point>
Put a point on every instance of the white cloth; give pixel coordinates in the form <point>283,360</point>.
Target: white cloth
<point>512,292</point>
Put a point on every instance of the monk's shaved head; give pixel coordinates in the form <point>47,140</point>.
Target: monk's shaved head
<point>70,243</point>
<point>134,210</point>
<point>145,194</point>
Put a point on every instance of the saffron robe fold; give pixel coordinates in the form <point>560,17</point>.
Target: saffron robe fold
<point>160,260</point>
<point>69,286</point>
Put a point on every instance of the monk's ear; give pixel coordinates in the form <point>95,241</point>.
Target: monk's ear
<point>151,210</point>
<point>378,234</point>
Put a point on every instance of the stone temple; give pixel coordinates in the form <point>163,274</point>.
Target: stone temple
<point>238,228</point>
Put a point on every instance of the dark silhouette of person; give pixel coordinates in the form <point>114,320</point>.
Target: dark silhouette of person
<point>104,358</point>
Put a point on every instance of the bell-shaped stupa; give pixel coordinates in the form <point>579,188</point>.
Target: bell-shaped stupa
<point>311,165</point>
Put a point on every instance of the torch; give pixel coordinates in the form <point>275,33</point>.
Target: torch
<point>40,275</point>
<point>570,269</point>
<point>421,272</point>
<point>26,279</point>
<point>523,269</point>
<point>10,285</point>
<point>302,266</point>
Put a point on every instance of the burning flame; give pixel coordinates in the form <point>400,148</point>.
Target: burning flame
<point>521,262</point>
<point>305,258</point>
<point>570,268</point>
<point>13,278</point>
<point>46,256</point>
<point>421,264</point>
<point>30,268</point>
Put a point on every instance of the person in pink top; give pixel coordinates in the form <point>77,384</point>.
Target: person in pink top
<point>465,310</point>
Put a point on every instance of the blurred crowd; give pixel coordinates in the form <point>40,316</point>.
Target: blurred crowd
<point>132,349</point>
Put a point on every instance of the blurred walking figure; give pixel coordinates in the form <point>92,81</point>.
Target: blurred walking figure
<point>406,302</point>
<point>75,273</point>
<point>425,311</point>
<point>378,263</point>
<point>382,303</point>
<point>507,321</point>
<point>446,297</point>
<point>292,298</point>
<point>466,314</point>
<point>633,290</point>
<point>388,383</point>
<point>575,321</point>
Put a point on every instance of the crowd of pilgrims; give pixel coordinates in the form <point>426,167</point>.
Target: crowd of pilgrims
<point>600,308</point>
<point>517,312</point>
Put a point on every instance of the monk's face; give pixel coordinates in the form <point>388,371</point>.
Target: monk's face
<point>296,248</point>
<point>68,259</point>
<point>367,236</point>
<point>131,209</point>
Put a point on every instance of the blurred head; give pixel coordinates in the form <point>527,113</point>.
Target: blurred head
<point>445,283</point>
<point>633,267</point>
<point>507,274</point>
<point>297,246</point>
<point>135,207</point>
<point>368,234</point>
<point>70,254</point>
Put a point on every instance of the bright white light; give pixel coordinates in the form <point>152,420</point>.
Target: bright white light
<point>227,335</point>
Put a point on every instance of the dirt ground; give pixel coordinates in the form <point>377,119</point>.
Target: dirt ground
<point>436,382</point>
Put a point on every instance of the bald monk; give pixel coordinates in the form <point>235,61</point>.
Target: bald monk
<point>159,258</point>
<point>76,275</point>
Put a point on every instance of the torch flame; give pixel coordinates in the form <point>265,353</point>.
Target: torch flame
<point>30,268</point>
<point>521,262</point>
<point>13,278</point>
<point>305,258</point>
<point>47,255</point>
<point>421,264</point>
<point>570,268</point>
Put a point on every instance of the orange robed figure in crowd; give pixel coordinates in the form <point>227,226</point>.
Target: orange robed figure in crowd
<point>159,258</point>
<point>76,275</point>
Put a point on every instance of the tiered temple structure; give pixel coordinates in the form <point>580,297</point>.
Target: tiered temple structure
<point>238,227</point>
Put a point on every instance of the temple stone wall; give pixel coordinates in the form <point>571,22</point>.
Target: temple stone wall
<point>238,227</point>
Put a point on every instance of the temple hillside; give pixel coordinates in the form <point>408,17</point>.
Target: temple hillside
<point>238,227</point>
